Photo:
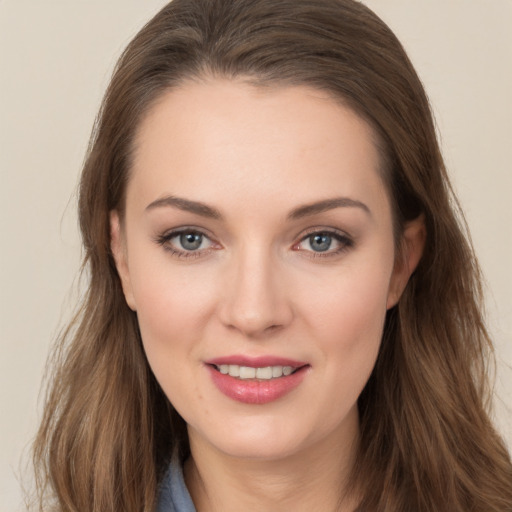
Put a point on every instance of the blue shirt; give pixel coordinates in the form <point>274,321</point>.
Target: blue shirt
<point>174,495</point>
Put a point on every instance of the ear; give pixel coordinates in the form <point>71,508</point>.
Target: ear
<point>118,248</point>
<point>412,245</point>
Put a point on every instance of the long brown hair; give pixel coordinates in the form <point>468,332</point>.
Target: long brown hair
<point>427,443</point>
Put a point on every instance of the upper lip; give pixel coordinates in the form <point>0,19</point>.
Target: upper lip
<point>255,362</point>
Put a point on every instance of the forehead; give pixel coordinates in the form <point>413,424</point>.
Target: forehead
<point>218,138</point>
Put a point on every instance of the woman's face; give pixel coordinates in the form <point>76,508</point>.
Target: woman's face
<point>258,241</point>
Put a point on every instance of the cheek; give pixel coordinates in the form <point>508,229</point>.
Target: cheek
<point>171,314</point>
<point>173,306</point>
<point>347,319</point>
<point>353,299</point>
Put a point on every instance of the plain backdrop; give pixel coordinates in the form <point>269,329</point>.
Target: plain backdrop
<point>56,57</point>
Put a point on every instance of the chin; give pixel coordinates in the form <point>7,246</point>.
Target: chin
<point>254,439</point>
<point>266,450</point>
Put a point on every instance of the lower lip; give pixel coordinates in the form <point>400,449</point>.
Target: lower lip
<point>253,391</point>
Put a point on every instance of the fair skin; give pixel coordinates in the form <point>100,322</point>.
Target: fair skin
<point>239,268</point>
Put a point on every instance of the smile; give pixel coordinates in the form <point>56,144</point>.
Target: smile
<point>261,373</point>
<point>256,381</point>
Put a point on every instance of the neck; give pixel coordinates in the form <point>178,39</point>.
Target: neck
<point>314,478</point>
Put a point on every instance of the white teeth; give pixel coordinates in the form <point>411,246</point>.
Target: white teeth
<point>234,370</point>
<point>247,372</point>
<point>264,373</point>
<point>277,371</point>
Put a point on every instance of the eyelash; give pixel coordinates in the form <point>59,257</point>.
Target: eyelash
<point>165,238</point>
<point>342,238</point>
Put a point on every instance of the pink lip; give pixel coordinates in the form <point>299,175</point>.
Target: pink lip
<point>256,362</point>
<point>253,391</point>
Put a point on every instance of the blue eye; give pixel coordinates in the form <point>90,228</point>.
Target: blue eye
<point>185,243</point>
<point>324,243</point>
<point>190,241</point>
<point>320,242</point>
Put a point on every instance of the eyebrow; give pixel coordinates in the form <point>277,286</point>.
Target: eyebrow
<point>326,205</point>
<point>204,210</point>
<point>186,205</point>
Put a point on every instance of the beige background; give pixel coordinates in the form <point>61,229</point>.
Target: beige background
<point>55,60</point>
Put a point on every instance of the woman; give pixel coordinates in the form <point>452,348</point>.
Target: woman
<point>283,310</point>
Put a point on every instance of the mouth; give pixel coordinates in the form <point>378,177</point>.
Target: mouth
<point>258,373</point>
<point>256,380</point>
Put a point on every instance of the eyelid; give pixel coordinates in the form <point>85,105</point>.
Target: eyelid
<point>343,238</point>
<point>164,239</point>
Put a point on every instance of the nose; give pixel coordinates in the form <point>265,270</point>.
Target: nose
<point>255,300</point>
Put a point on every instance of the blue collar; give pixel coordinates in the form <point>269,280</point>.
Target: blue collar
<point>173,494</point>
